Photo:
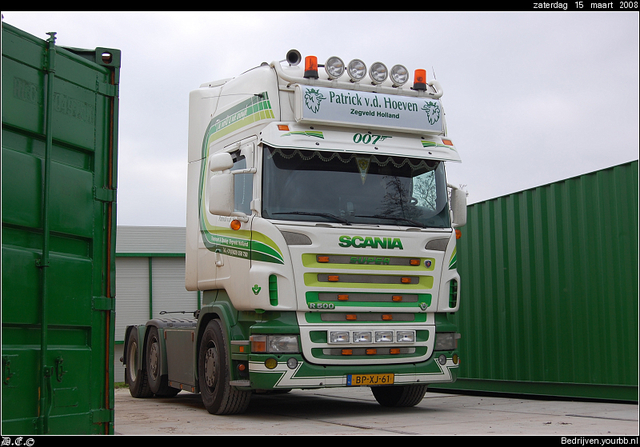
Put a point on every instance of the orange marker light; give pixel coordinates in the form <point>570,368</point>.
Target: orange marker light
<point>311,67</point>
<point>235,224</point>
<point>447,142</point>
<point>334,278</point>
<point>420,80</point>
<point>343,297</point>
<point>405,280</point>
<point>347,352</point>
<point>394,351</point>
<point>387,317</point>
<point>414,262</point>
<point>458,234</point>
<point>371,351</point>
<point>323,258</point>
<point>396,298</point>
<point>351,317</point>
<point>283,127</point>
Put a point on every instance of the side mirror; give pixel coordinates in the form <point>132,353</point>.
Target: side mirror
<point>220,162</point>
<point>459,207</point>
<point>221,194</point>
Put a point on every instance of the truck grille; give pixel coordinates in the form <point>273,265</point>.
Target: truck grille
<point>370,308</point>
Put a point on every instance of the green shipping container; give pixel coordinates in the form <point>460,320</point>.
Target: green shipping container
<point>550,290</point>
<point>59,146</point>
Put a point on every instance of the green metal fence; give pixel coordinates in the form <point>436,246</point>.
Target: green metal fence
<point>59,145</point>
<point>550,289</point>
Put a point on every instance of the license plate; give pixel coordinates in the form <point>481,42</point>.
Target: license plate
<point>369,379</point>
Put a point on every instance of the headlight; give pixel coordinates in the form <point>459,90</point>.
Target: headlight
<point>356,70</point>
<point>274,344</point>
<point>378,72</point>
<point>399,75</point>
<point>446,341</point>
<point>334,67</point>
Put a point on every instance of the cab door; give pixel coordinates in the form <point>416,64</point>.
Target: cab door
<point>233,241</point>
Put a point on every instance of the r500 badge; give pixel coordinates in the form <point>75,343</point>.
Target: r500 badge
<point>321,305</point>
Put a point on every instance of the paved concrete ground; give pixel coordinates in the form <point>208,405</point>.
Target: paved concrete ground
<point>354,411</point>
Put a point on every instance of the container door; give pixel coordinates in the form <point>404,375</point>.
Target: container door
<point>58,235</point>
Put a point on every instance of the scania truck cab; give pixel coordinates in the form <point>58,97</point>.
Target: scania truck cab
<point>321,232</point>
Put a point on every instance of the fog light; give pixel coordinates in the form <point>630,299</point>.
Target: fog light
<point>292,363</point>
<point>442,359</point>
<point>338,337</point>
<point>271,363</point>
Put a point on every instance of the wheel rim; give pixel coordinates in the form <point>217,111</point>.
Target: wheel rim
<point>132,361</point>
<point>153,358</point>
<point>210,363</point>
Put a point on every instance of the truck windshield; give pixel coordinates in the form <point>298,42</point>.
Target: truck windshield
<point>321,186</point>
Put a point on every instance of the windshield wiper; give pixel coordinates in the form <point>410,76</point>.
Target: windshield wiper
<point>396,218</point>
<point>327,215</point>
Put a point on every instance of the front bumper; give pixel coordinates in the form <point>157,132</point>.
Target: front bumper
<point>288,373</point>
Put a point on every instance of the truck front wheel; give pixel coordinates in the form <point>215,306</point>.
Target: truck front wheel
<point>399,395</point>
<point>218,396</point>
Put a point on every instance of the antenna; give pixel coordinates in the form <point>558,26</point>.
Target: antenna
<point>433,70</point>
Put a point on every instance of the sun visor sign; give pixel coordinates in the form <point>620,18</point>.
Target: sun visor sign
<point>374,110</point>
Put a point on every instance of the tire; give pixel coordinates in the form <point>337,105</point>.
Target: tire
<point>218,396</point>
<point>134,373</point>
<point>158,383</point>
<point>399,395</point>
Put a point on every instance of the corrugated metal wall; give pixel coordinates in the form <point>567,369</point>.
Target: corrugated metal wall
<point>150,267</point>
<point>550,289</point>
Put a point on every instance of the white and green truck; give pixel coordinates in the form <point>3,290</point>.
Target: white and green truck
<point>321,232</point>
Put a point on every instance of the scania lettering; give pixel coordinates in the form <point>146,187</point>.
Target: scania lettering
<point>322,241</point>
<point>373,242</point>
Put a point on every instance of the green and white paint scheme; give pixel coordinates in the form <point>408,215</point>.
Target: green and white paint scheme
<point>334,285</point>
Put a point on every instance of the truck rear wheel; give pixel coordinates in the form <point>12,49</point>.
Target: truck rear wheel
<point>218,396</point>
<point>134,373</point>
<point>399,395</point>
<point>158,383</point>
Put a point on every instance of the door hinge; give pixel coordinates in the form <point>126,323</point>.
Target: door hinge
<point>104,194</point>
<point>103,303</point>
<point>101,415</point>
<point>107,89</point>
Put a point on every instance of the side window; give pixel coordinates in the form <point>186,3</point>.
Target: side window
<point>243,185</point>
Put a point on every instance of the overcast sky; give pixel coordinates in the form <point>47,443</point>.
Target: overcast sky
<point>530,98</point>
